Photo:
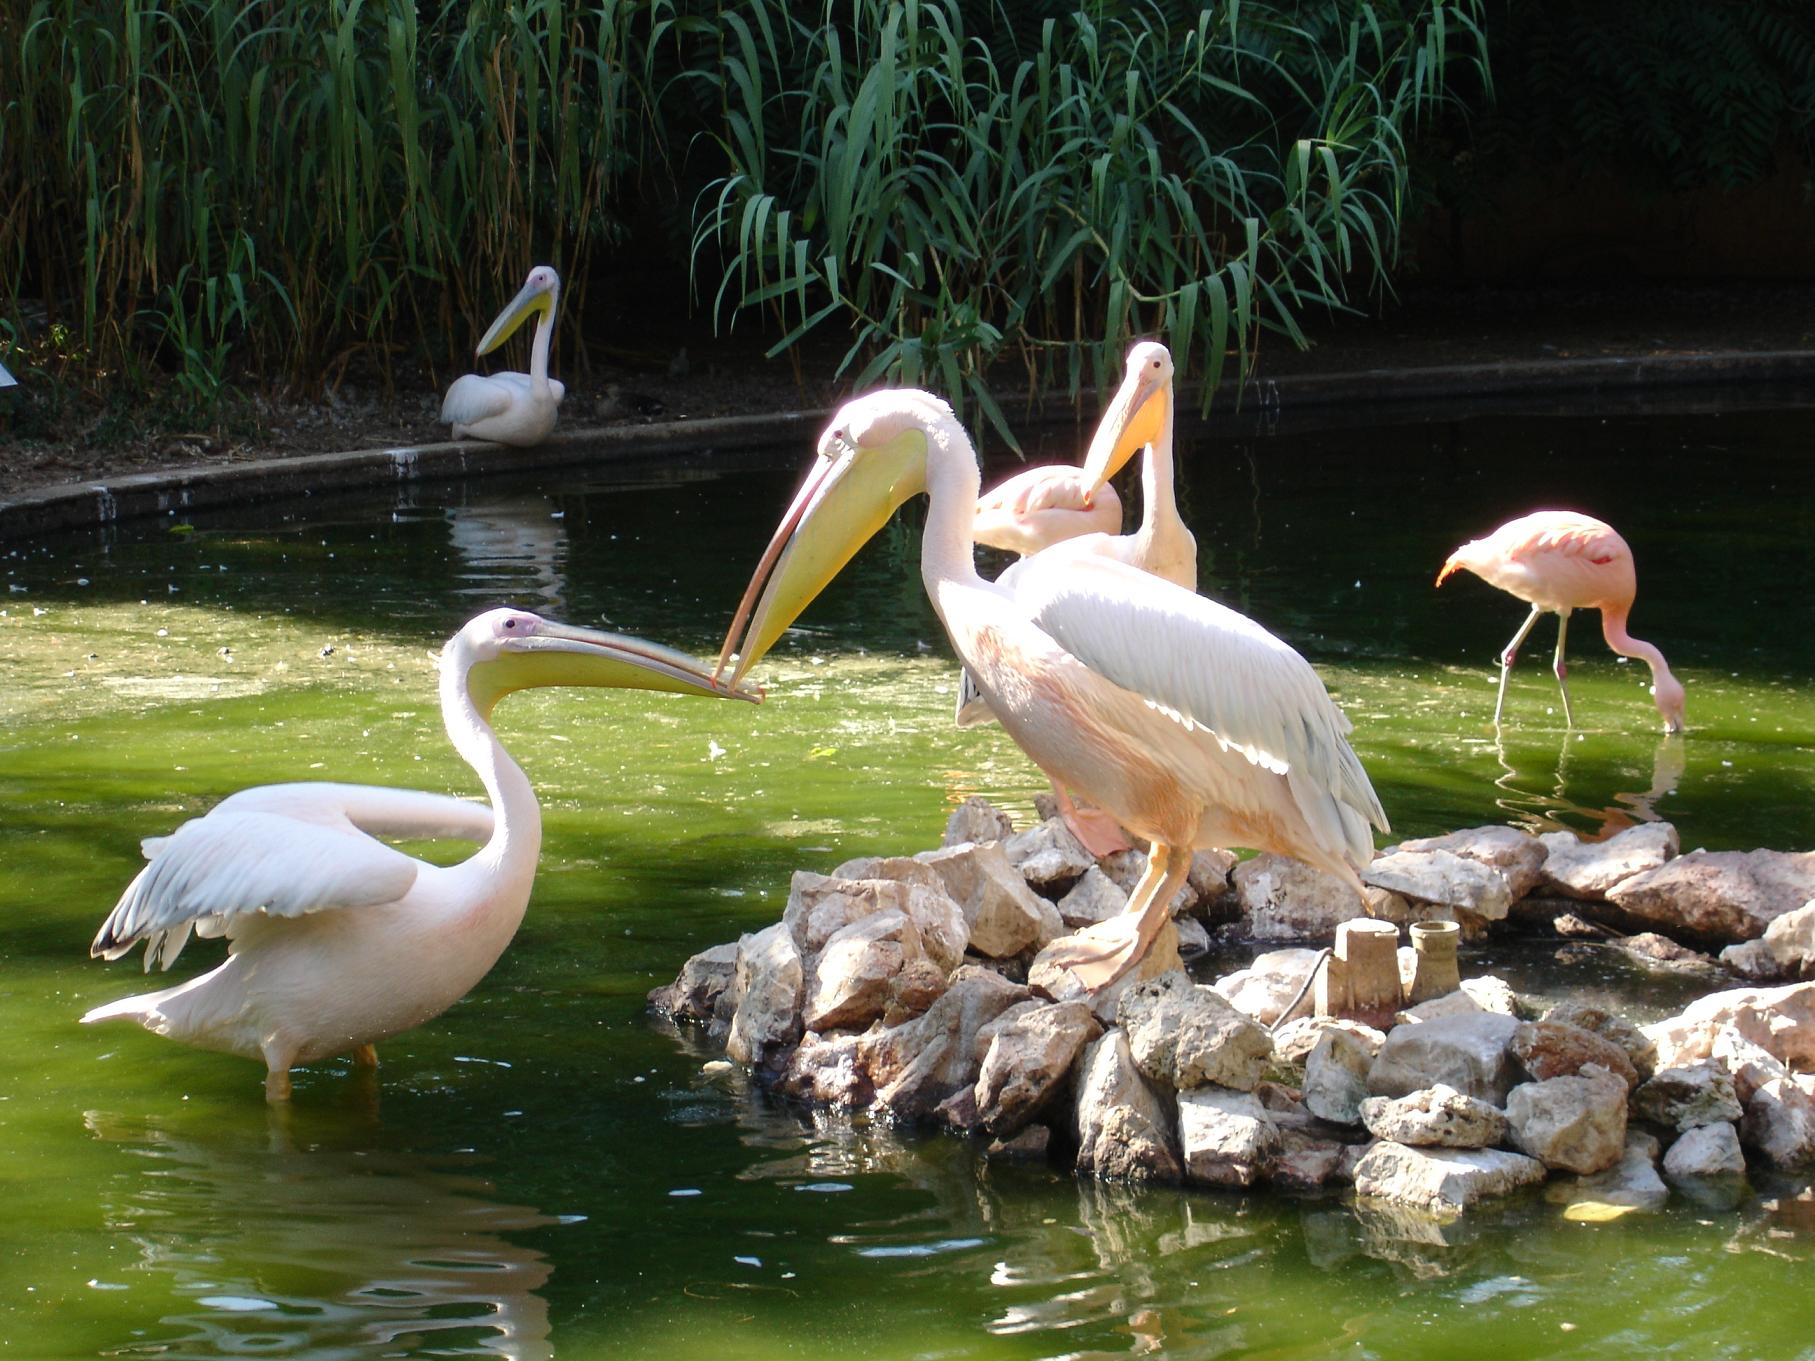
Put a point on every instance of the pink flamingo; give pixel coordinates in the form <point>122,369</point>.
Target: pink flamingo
<point>1562,560</point>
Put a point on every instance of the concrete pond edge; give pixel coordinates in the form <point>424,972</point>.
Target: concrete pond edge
<point>104,501</point>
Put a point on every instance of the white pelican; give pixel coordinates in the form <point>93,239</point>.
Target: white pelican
<point>1189,723</point>
<point>512,408</point>
<point>337,940</point>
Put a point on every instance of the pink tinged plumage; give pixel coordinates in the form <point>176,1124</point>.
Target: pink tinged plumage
<point>1559,561</point>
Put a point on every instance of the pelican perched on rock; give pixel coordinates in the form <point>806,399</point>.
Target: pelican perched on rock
<point>512,408</point>
<point>336,940</point>
<point>1189,723</point>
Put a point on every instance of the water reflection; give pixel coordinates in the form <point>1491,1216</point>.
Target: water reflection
<point>520,542</point>
<point>286,1249</point>
<point>1555,811</point>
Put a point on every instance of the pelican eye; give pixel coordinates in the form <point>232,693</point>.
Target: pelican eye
<point>510,623</point>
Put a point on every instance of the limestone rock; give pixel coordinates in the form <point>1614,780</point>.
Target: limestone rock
<point>1749,1065</point>
<point>1682,1098</point>
<point>1493,994</point>
<point>1294,1041</point>
<point>1094,898</point>
<point>1585,1015</point>
<point>1781,1021</point>
<point>1303,1162</point>
<point>1547,1049</point>
<point>1632,1181</point>
<point>1785,951</point>
<point>1336,1074</point>
<point>1660,952</point>
<point>1469,1053</point>
<point>827,1070</point>
<point>1518,856</point>
<point>1125,1129</point>
<point>1718,895</point>
<point>850,980</point>
<point>918,1065</point>
<point>978,820</point>
<point>768,980</point>
<point>1193,938</point>
<point>1030,1145</point>
<point>1285,899</point>
<point>1002,915</point>
<point>1434,1117</point>
<point>1442,877</point>
<point>850,893</point>
<point>1267,986</point>
<point>1032,1047</point>
<point>1208,886</point>
<point>704,980</point>
<point>1574,868</point>
<point>1187,1036</point>
<point>1048,854</point>
<point>902,868</point>
<point>1705,1151</point>
<point>1575,1123</point>
<point>1226,1136</point>
<point>1442,1182</point>
<point>821,905</point>
<point>1780,1122</point>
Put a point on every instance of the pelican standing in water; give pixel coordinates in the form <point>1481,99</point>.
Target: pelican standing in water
<point>1189,723</point>
<point>336,940</point>
<point>512,408</point>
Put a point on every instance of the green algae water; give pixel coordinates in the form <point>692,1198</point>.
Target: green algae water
<point>544,1171</point>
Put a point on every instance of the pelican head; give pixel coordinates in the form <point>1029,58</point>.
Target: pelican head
<point>1136,414</point>
<point>539,293</point>
<point>872,458</point>
<point>505,650</point>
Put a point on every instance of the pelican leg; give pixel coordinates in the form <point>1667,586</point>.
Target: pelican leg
<point>365,1056</point>
<point>1100,955</point>
<point>1510,654</point>
<point>1096,830</point>
<point>277,1085</point>
<point>278,1058</point>
<point>1561,668</point>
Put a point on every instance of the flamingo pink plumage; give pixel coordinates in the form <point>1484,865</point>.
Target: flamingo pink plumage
<point>1559,561</point>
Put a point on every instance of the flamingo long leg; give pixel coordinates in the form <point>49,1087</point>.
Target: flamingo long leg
<point>1561,668</point>
<point>1510,654</point>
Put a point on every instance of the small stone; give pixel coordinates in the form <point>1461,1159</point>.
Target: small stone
<point>1032,1048</point>
<point>1468,1053</point>
<point>978,820</point>
<point>1518,856</point>
<point>1094,898</point>
<point>1030,1145</point>
<point>1188,1036</point>
<point>1577,1124</point>
<point>1718,895</point>
<point>768,980</point>
<point>1226,1136</point>
<point>1574,868</point>
<point>1785,951</point>
<point>1049,854</point>
<point>1442,1182</point>
<point>1682,1098</point>
<point>1639,1049</point>
<point>1434,1117</point>
<point>1285,899</point>
<point>1547,1049</point>
<point>1443,878</point>
<point>1002,915</point>
<point>1780,1122</point>
<point>1336,1075</point>
<point>1571,927</point>
<point>1125,1130</point>
<point>1705,1151</point>
<point>1267,986</point>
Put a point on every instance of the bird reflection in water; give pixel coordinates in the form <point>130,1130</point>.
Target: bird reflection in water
<point>277,1247</point>
<point>1555,811</point>
<point>518,544</point>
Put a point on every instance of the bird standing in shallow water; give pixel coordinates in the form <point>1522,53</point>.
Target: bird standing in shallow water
<point>337,940</point>
<point>512,408</point>
<point>1559,561</point>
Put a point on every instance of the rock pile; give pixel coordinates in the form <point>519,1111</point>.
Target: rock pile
<point>913,987</point>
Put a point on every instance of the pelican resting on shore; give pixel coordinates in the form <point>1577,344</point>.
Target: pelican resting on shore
<point>336,940</point>
<point>512,408</point>
<point>1190,724</point>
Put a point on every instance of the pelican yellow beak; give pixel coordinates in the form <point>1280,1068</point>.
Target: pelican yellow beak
<point>848,496</point>
<point>1133,419</point>
<point>563,654</point>
<point>531,298</point>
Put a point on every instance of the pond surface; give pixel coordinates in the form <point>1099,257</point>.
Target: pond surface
<point>546,1171</point>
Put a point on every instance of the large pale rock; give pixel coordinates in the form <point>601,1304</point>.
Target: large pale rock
<point>1226,1136</point>
<point>1094,898</point>
<point>1518,856</point>
<point>849,983</point>
<point>1032,1047</point>
<point>702,985</point>
<point>1682,1098</point>
<point>1785,951</point>
<point>1469,1053</point>
<point>1188,1036</point>
<point>1609,1026</point>
<point>1575,1123</point>
<point>903,868</point>
<point>1718,895</point>
<point>1705,1151</point>
<point>1781,1021</point>
<point>1442,1182</point>
<point>1048,854</point>
<point>821,905</point>
<point>827,1070</point>
<point>1294,1041</point>
<point>1444,878</point>
<point>1486,993</point>
<point>1434,1117</point>
<point>979,820</point>
<point>1574,868</point>
<point>1632,1181</point>
<point>1749,1065</point>
<point>1547,1049</point>
<point>1124,1127</point>
<point>1003,916</point>
<point>918,1065</point>
<point>1267,986</point>
<point>768,980</point>
<point>1780,1122</point>
<point>1285,899</point>
<point>1336,1074</point>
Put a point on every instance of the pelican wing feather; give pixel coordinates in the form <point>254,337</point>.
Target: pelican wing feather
<point>473,397</point>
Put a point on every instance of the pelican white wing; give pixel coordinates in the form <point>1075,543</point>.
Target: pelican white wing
<point>472,398</point>
<point>1210,669</point>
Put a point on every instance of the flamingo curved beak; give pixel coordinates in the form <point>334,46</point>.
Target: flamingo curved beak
<point>1133,419</point>
<point>531,298</point>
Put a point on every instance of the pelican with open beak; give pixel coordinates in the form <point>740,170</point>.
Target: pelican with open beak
<point>512,408</point>
<point>1189,723</point>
